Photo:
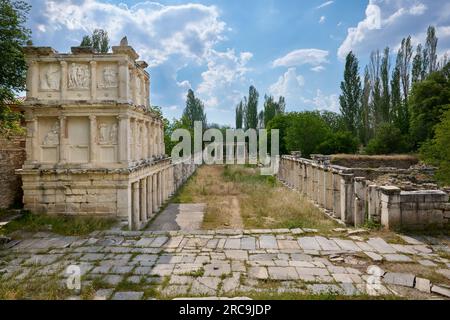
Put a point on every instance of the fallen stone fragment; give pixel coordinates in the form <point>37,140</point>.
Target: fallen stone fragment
<point>441,290</point>
<point>128,295</point>
<point>357,231</point>
<point>423,285</point>
<point>401,279</point>
<point>374,256</point>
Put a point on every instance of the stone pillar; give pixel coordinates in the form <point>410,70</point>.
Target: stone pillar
<point>163,146</point>
<point>390,207</point>
<point>124,94</point>
<point>149,197</point>
<point>134,81</point>
<point>147,140</point>
<point>32,79</point>
<point>143,204</point>
<point>93,80</point>
<point>62,139</point>
<point>152,138</point>
<point>93,139</point>
<point>32,143</point>
<point>136,210</point>
<point>147,92</point>
<point>336,195</point>
<point>160,189</point>
<point>133,140</point>
<point>373,203</point>
<point>155,192</point>
<point>347,198</point>
<point>359,209</point>
<point>124,139</point>
<point>63,80</point>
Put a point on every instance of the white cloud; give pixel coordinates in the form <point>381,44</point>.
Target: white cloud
<point>325,4</point>
<point>386,22</point>
<point>314,57</point>
<point>289,86</point>
<point>224,70</point>
<point>322,19</point>
<point>156,31</point>
<point>318,69</point>
<point>324,102</point>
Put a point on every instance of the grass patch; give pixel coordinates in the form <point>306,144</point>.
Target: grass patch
<point>64,225</point>
<point>303,296</point>
<point>238,196</point>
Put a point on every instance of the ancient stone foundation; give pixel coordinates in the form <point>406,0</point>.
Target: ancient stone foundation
<point>93,145</point>
<point>355,199</point>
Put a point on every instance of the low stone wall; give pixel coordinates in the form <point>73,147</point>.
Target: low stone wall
<point>366,161</point>
<point>12,157</point>
<point>355,199</point>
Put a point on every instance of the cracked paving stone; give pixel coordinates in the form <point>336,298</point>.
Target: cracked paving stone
<point>159,242</point>
<point>312,271</point>
<point>205,285</point>
<point>236,254</point>
<point>427,263</point>
<point>324,288</point>
<point>184,268</point>
<point>113,279</point>
<point>268,242</point>
<point>162,269</point>
<point>282,273</point>
<point>374,256</point>
<point>380,245</point>
<point>231,284</point>
<point>92,257</point>
<point>134,279</point>
<point>103,294</point>
<point>397,258</point>
<point>175,290</point>
<point>43,259</point>
<point>122,269</point>
<point>248,243</point>
<point>259,273</point>
<point>128,295</point>
<point>217,269</point>
<point>308,243</point>
<point>402,279</point>
<point>181,280</point>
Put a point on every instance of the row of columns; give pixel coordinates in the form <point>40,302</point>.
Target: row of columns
<point>341,193</point>
<point>148,194</point>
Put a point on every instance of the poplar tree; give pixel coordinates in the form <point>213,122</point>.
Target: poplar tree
<point>350,98</point>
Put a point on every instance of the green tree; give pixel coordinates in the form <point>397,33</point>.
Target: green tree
<point>364,128</point>
<point>375,81</point>
<point>13,36</point>
<point>430,49</point>
<point>350,97</point>
<point>251,109</point>
<point>417,65</point>
<point>338,142</point>
<point>437,151</point>
<point>239,115</point>
<point>428,101</point>
<point>280,122</point>
<point>388,139</point>
<point>98,41</point>
<point>386,97</point>
<point>333,120</point>
<point>305,132</point>
<point>194,111</point>
<point>404,65</point>
<point>399,110</point>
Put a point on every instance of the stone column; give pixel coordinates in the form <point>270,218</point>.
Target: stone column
<point>149,197</point>
<point>151,135</point>
<point>32,143</point>
<point>347,198</point>
<point>373,203</point>
<point>124,94</point>
<point>63,80</point>
<point>163,146</point>
<point>93,80</point>
<point>62,139</point>
<point>143,204</point>
<point>136,209</point>
<point>124,139</point>
<point>147,93</point>
<point>160,188</point>
<point>147,139</point>
<point>93,139</point>
<point>155,192</point>
<point>359,209</point>
<point>390,207</point>
<point>133,140</point>
<point>336,195</point>
<point>134,80</point>
<point>32,79</point>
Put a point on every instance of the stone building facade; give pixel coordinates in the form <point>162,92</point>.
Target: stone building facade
<point>93,145</point>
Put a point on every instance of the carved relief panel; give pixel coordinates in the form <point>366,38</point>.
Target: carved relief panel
<point>50,77</point>
<point>79,76</point>
<point>107,81</point>
<point>107,139</point>
<point>48,138</point>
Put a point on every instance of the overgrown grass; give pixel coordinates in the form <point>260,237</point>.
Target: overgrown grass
<point>64,225</point>
<point>304,296</point>
<point>259,201</point>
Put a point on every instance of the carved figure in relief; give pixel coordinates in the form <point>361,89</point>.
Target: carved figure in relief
<point>79,76</point>
<point>50,78</point>
<point>52,137</point>
<point>107,134</point>
<point>109,77</point>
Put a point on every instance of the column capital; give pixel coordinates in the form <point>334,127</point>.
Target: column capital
<point>93,63</point>
<point>92,117</point>
<point>123,116</point>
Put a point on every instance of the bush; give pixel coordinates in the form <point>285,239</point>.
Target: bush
<point>339,142</point>
<point>388,139</point>
<point>437,150</point>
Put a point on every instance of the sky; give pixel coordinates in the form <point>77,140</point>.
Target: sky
<point>293,48</point>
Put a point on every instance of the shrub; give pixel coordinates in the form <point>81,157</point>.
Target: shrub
<point>388,139</point>
<point>339,142</point>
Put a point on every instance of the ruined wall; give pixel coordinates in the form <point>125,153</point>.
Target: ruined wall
<point>356,199</point>
<point>363,161</point>
<point>12,157</point>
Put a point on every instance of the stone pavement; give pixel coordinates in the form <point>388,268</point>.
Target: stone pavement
<point>149,264</point>
<point>185,217</point>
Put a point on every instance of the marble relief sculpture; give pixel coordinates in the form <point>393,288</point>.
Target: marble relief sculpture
<point>109,77</point>
<point>107,134</point>
<point>52,137</point>
<point>79,76</point>
<point>50,78</point>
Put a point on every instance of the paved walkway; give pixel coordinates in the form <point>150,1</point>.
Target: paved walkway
<point>185,217</point>
<point>234,263</point>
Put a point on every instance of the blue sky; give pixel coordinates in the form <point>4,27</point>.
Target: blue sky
<point>219,48</point>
